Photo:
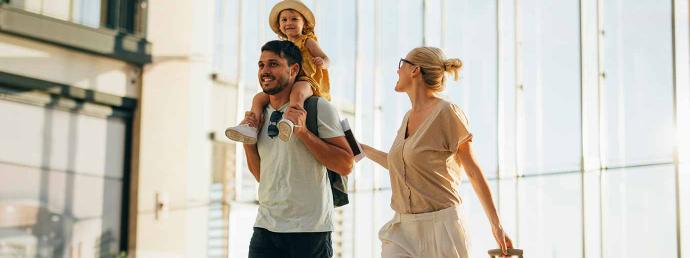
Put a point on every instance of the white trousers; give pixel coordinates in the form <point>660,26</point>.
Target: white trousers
<point>437,234</point>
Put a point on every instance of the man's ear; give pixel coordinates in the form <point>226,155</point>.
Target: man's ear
<point>294,69</point>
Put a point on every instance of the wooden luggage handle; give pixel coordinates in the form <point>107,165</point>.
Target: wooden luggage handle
<point>510,252</point>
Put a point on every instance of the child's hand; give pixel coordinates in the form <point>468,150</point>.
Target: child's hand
<point>318,61</point>
<point>251,120</point>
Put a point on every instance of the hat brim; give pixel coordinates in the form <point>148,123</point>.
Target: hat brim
<point>289,4</point>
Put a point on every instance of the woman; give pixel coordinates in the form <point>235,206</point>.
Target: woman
<point>425,161</point>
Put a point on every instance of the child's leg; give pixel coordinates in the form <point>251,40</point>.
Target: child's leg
<point>301,90</point>
<point>259,102</point>
<point>245,133</point>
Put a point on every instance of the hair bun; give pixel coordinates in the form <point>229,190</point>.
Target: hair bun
<point>452,65</point>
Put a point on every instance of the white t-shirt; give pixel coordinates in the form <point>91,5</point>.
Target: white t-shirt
<point>294,192</point>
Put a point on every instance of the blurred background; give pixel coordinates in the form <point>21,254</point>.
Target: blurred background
<point>112,115</point>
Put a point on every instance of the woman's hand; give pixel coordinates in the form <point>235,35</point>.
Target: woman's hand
<point>502,239</point>
<point>375,155</point>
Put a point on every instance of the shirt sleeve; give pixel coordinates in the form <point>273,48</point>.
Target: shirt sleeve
<point>457,131</point>
<point>329,120</point>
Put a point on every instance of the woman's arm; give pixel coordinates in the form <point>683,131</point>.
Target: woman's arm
<point>465,156</point>
<point>320,59</point>
<point>375,155</point>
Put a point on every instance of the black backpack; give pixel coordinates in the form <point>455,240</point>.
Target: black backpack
<point>338,182</point>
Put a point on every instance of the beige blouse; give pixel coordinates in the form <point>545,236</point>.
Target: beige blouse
<point>424,175</point>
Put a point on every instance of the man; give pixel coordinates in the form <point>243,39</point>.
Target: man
<point>295,217</point>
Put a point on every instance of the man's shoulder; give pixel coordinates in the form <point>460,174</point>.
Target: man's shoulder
<point>324,104</point>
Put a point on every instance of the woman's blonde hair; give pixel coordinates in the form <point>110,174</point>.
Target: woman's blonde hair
<point>434,64</point>
<point>307,29</point>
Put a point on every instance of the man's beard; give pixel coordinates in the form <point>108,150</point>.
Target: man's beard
<point>281,85</point>
<point>276,90</point>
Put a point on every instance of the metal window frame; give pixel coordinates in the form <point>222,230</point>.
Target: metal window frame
<point>113,43</point>
<point>65,97</point>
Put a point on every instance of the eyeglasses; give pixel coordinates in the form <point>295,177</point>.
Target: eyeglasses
<point>273,125</point>
<point>403,60</point>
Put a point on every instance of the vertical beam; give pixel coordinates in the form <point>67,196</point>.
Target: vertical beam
<point>518,116</point>
<point>600,107</point>
<point>239,150</point>
<point>499,106</point>
<point>681,107</point>
<point>583,133</point>
<point>358,110</point>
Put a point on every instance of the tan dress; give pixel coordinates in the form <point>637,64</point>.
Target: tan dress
<point>424,175</point>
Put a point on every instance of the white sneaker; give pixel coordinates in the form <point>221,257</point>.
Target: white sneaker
<point>242,133</point>
<point>285,129</point>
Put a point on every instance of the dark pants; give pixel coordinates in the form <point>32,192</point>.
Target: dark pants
<point>267,244</point>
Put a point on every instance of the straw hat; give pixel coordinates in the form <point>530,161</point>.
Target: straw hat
<point>290,4</point>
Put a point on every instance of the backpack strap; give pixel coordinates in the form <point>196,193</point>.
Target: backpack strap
<point>310,105</point>
<point>338,183</point>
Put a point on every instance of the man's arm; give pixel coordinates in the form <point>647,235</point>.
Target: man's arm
<point>250,150</point>
<point>253,160</point>
<point>334,153</point>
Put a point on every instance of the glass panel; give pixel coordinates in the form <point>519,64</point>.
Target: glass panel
<point>506,198</point>
<point>251,47</point>
<point>50,214</point>
<point>471,37</point>
<point>639,212</point>
<point>551,75</point>
<point>364,229</point>
<point>87,12</point>
<point>226,56</point>
<point>394,22</point>
<point>336,30</point>
<point>477,226</point>
<point>507,93</point>
<point>242,217</point>
<point>433,24</point>
<point>638,102</point>
<point>265,32</point>
<point>61,140</point>
<point>343,237</point>
<point>592,213</point>
<point>366,128</point>
<point>84,12</point>
<point>382,214</point>
<point>550,217</point>
<point>684,181</point>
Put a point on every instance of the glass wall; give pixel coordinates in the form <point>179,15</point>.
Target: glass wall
<point>573,105</point>
<point>61,188</point>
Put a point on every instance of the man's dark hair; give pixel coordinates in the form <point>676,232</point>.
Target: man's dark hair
<point>285,49</point>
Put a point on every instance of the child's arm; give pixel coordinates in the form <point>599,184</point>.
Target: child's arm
<point>320,59</point>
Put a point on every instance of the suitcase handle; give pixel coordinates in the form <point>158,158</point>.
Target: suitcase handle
<point>510,252</point>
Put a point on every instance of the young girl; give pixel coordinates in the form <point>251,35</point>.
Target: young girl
<point>291,20</point>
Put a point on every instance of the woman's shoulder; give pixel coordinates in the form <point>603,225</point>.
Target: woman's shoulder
<point>451,110</point>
